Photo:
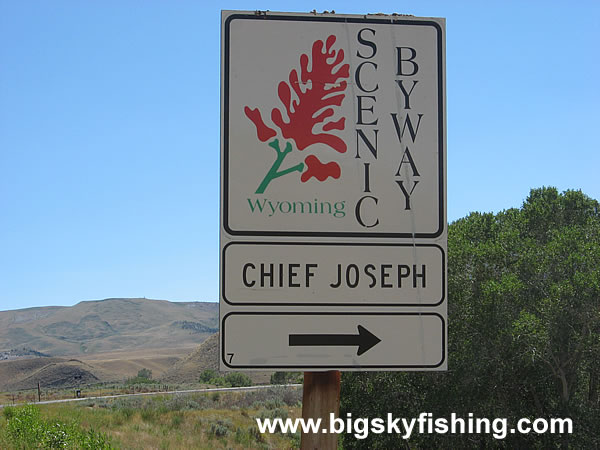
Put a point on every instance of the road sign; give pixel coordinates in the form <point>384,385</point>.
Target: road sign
<point>333,274</point>
<point>309,341</point>
<point>333,188</point>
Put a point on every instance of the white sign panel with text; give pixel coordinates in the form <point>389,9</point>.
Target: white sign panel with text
<point>341,132</point>
<point>333,192</point>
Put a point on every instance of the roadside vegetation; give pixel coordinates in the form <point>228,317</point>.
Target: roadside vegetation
<point>143,382</point>
<point>144,376</point>
<point>231,379</point>
<point>26,428</point>
<point>523,332</point>
<point>218,420</point>
<point>287,378</point>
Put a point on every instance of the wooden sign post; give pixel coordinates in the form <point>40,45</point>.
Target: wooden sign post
<point>320,398</point>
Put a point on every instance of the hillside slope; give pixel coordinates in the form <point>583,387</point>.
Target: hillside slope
<point>187,370</point>
<point>108,325</point>
<point>206,356</point>
<point>52,372</point>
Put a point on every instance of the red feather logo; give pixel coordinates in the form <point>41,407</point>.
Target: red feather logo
<point>309,102</point>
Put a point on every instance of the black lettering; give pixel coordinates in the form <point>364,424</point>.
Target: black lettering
<point>406,193</point>
<point>264,275</point>
<point>403,272</point>
<point>385,275</point>
<point>358,79</point>
<point>367,181</point>
<point>372,148</point>
<point>369,268</point>
<point>361,109</point>
<point>419,275</point>
<point>245,273</point>
<point>281,275</point>
<point>357,211</point>
<point>406,94</point>
<point>407,123</point>
<point>310,274</point>
<point>339,278</point>
<point>366,42</point>
<point>408,159</point>
<point>352,284</point>
<point>410,60</point>
<point>293,274</point>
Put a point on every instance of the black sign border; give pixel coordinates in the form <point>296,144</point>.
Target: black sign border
<point>331,366</point>
<point>225,135</point>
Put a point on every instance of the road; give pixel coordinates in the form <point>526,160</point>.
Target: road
<point>189,391</point>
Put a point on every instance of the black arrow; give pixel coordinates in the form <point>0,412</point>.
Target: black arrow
<point>364,339</point>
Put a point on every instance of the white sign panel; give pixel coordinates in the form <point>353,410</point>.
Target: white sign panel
<point>332,191</point>
<point>302,274</point>
<point>344,341</point>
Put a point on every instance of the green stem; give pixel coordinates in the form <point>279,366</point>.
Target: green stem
<point>274,170</point>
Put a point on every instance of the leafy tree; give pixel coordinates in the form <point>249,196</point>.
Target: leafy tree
<point>144,376</point>
<point>524,331</point>
<point>145,373</point>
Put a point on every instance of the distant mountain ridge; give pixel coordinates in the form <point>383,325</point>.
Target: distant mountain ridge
<point>108,325</point>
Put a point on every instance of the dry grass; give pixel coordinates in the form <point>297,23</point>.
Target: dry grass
<point>124,364</point>
<point>23,374</point>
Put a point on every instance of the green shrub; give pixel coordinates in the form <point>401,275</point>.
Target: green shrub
<point>275,395</point>
<point>220,428</point>
<point>182,403</point>
<point>148,414</point>
<point>295,438</point>
<point>26,429</point>
<point>286,377</point>
<point>237,379</point>
<point>59,435</point>
<point>248,437</point>
<point>127,413</point>
<point>8,412</point>
<point>274,403</point>
<point>93,440</point>
<point>232,379</point>
<point>207,375</point>
<point>144,376</point>
<point>145,373</point>
<point>176,420</point>
<point>273,413</point>
<point>219,381</point>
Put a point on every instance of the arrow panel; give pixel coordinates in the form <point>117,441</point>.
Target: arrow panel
<point>351,341</point>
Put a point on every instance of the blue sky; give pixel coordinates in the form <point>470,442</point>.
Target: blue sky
<point>109,132</point>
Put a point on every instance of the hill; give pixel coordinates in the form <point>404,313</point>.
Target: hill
<point>54,372</point>
<point>187,370</point>
<point>24,373</point>
<point>107,326</point>
<point>206,356</point>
